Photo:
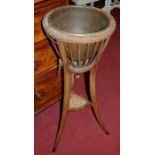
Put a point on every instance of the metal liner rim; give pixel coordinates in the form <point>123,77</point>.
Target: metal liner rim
<point>64,36</point>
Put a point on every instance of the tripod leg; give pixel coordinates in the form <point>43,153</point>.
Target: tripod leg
<point>95,109</point>
<point>67,91</point>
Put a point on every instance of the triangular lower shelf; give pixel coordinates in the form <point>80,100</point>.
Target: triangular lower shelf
<point>78,102</point>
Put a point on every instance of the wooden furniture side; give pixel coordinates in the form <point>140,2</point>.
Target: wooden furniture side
<point>47,82</point>
<point>74,63</point>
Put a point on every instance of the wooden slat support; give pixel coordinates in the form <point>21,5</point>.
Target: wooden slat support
<point>86,56</point>
<point>79,53</point>
<point>94,52</point>
<point>70,51</point>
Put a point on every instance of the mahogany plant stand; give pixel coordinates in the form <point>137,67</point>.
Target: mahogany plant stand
<point>72,101</point>
<point>80,47</point>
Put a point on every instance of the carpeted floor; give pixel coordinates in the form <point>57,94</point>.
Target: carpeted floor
<point>82,135</point>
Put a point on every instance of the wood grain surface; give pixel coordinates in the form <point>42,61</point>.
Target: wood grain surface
<point>47,82</point>
<point>47,88</point>
<point>44,57</point>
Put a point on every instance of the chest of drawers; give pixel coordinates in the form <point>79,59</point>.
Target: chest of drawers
<point>47,81</point>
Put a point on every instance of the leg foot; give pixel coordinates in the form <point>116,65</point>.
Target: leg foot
<point>67,90</point>
<point>95,109</point>
<point>60,130</point>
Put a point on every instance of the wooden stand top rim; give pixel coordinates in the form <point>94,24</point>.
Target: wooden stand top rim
<point>63,36</point>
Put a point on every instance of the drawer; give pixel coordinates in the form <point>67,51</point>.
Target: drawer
<point>44,57</point>
<point>40,11</point>
<point>47,89</point>
<point>38,1</point>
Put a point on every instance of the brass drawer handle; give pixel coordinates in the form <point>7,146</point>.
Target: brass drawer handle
<point>39,95</point>
<point>36,65</point>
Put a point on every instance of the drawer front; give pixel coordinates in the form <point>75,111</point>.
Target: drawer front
<point>47,89</point>
<point>38,1</point>
<point>44,57</point>
<point>47,83</point>
<point>40,11</point>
